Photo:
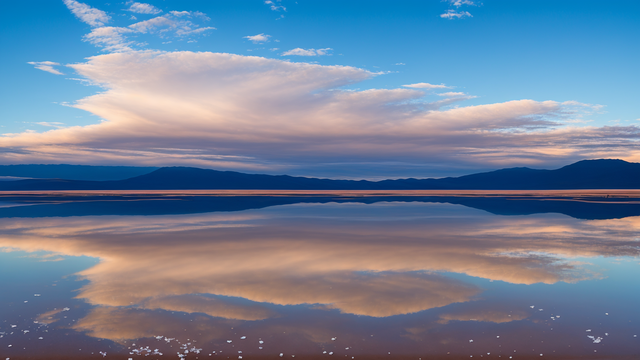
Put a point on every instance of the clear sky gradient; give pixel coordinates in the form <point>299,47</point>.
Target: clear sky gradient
<point>355,89</point>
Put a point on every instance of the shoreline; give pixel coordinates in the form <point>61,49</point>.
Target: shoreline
<point>578,193</point>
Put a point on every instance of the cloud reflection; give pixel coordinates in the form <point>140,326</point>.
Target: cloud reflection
<point>364,264</point>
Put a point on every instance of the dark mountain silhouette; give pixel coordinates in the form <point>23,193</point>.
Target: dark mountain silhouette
<point>586,174</point>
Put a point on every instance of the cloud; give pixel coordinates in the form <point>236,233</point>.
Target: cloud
<point>307,52</point>
<point>450,94</point>
<point>180,24</point>
<point>453,14</point>
<point>51,124</point>
<point>426,86</point>
<point>46,66</point>
<point>142,8</point>
<point>275,6</point>
<point>260,38</point>
<point>87,14</point>
<point>154,24</point>
<point>400,63</point>
<point>111,39</point>
<point>249,112</point>
<point>458,3</point>
<point>174,24</point>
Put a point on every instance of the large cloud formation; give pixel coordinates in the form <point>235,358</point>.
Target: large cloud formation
<point>244,112</point>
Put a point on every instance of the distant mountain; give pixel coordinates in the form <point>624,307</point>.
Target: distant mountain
<point>74,172</point>
<point>586,174</point>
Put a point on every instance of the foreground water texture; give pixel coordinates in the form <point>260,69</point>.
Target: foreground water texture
<point>195,276</point>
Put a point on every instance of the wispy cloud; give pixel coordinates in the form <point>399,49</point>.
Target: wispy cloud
<point>453,14</point>
<point>456,13</point>
<point>178,24</point>
<point>260,38</point>
<point>458,3</point>
<point>424,85</point>
<point>87,14</point>
<point>450,94</point>
<point>53,124</point>
<point>111,39</point>
<point>307,52</point>
<point>275,6</point>
<point>142,8</point>
<point>46,66</point>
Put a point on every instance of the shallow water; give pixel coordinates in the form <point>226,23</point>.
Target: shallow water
<point>124,277</point>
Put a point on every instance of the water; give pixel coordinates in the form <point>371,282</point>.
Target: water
<point>121,277</point>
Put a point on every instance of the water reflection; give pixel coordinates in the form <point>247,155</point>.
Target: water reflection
<point>336,267</point>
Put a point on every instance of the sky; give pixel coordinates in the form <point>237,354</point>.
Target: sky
<point>338,89</point>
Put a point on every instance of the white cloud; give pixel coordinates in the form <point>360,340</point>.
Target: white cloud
<point>307,52</point>
<point>142,8</point>
<point>46,66</point>
<point>176,23</point>
<point>153,24</point>
<point>458,3</point>
<point>452,14</point>
<point>225,110</point>
<point>260,38</point>
<point>53,124</point>
<point>275,6</point>
<point>450,94</point>
<point>87,14</point>
<point>112,39</point>
<point>426,86</point>
<point>400,64</point>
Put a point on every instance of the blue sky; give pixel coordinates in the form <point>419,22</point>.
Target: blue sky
<point>574,62</point>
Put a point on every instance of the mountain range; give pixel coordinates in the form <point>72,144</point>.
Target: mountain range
<point>585,174</point>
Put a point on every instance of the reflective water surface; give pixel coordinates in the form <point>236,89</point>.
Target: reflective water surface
<point>269,277</point>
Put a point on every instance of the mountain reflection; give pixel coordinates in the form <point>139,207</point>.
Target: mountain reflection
<point>377,261</point>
